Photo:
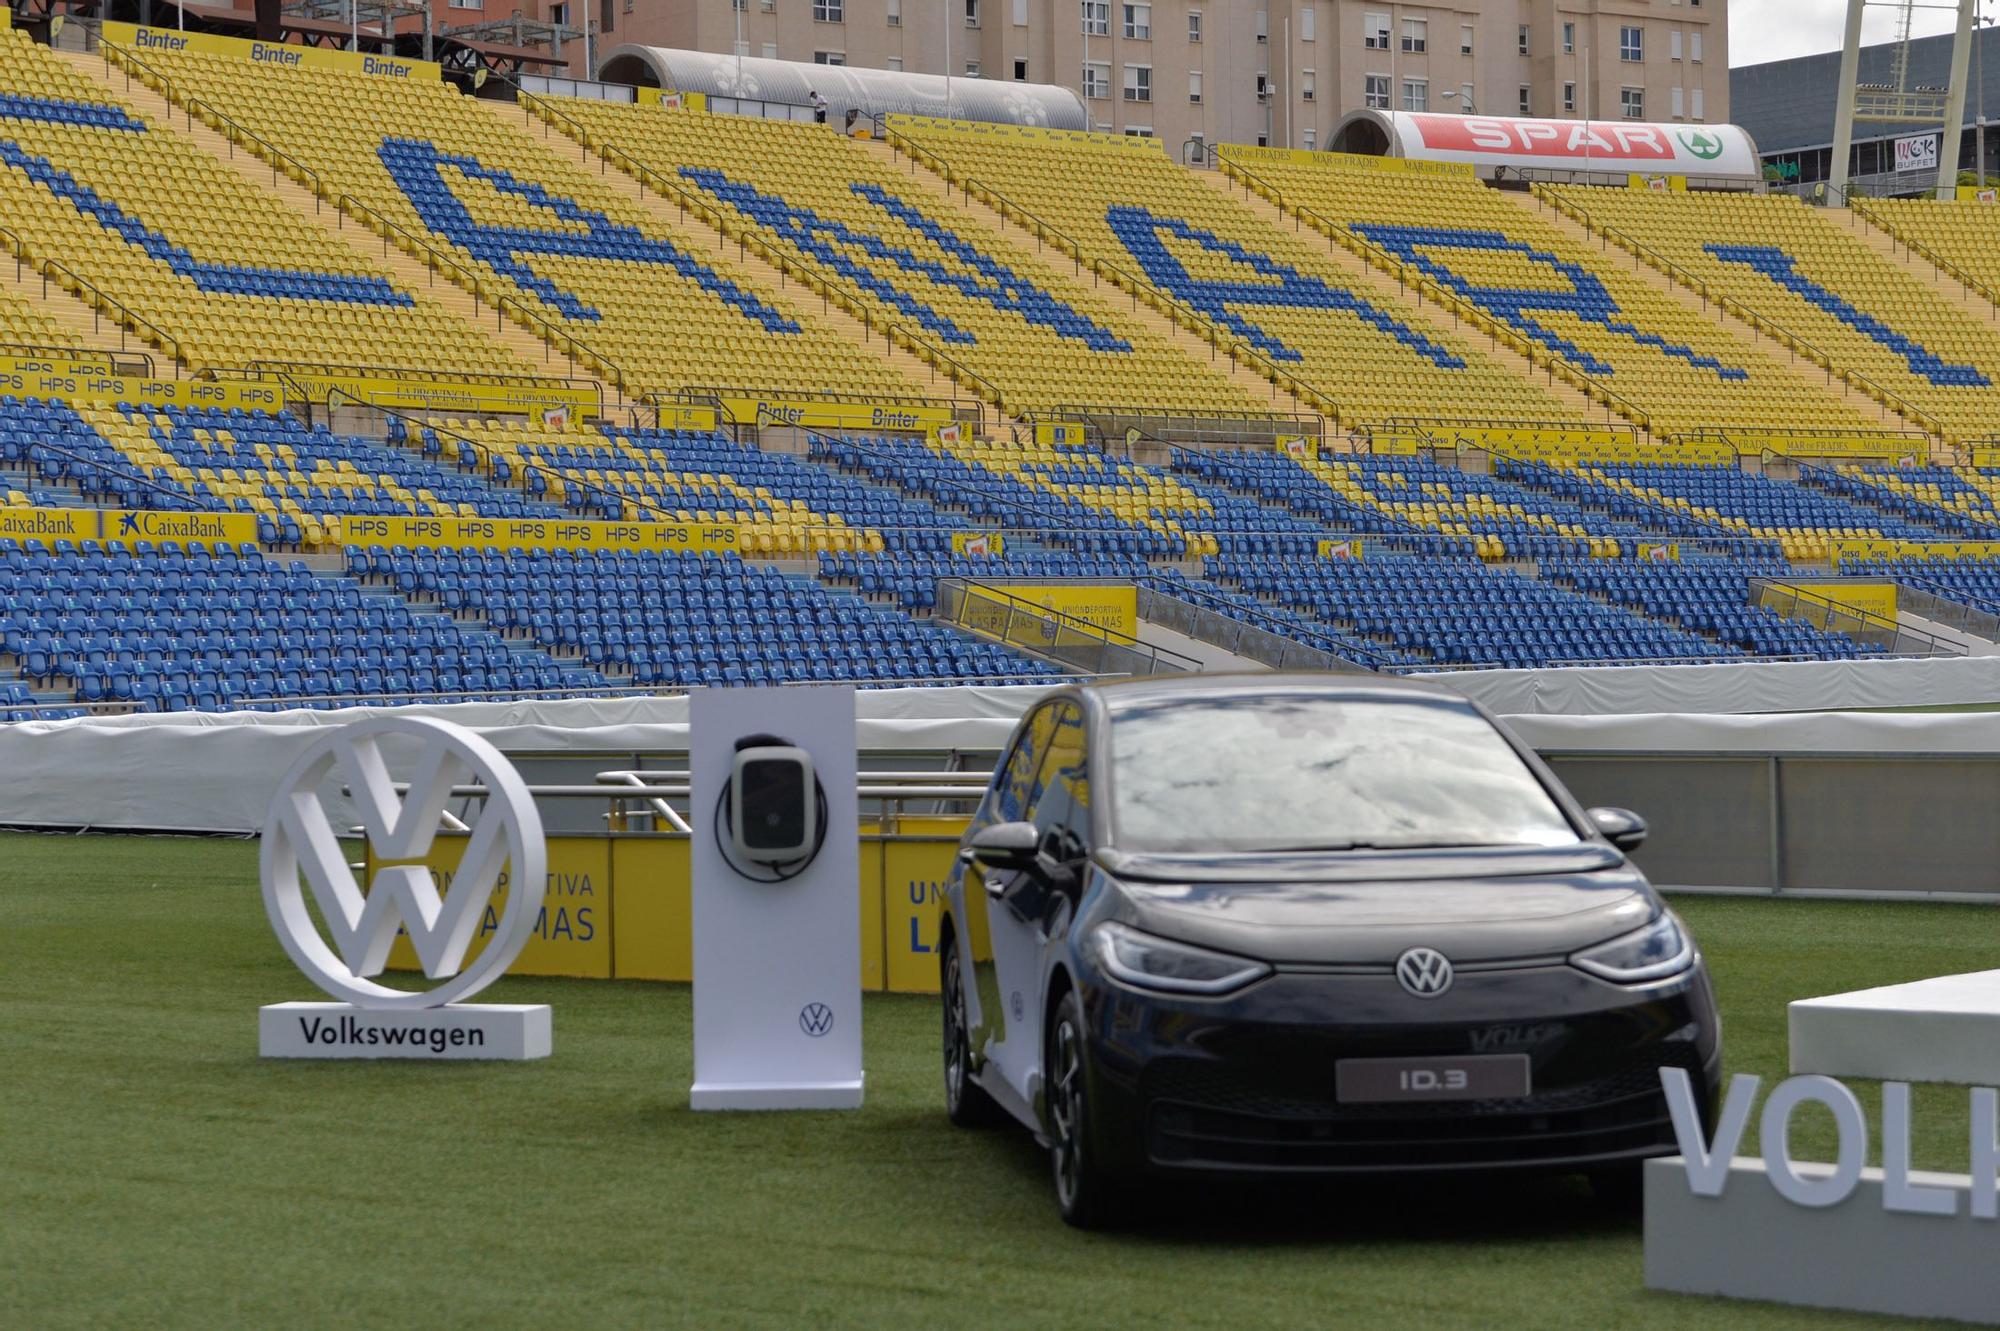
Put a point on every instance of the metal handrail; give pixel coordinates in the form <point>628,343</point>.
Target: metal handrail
<point>291,370</point>
<point>953,610</point>
<point>103,304</point>
<point>1865,210</point>
<point>692,201</point>
<point>1461,307</point>
<point>1735,306</point>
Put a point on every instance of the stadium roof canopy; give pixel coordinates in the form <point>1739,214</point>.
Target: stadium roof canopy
<point>846,87</point>
<point>1789,104</point>
<point>1717,154</point>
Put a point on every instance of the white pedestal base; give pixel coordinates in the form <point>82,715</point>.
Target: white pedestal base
<point>766,1095</point>
<point>1946,1029</point>
<point>1750,1243</point>
<point>505,1031</point>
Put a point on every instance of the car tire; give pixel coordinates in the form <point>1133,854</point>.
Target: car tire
<point>966,1103</point>
<point>1089,1195</point>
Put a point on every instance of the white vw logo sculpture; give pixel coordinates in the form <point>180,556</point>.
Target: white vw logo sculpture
<point>301,851</point>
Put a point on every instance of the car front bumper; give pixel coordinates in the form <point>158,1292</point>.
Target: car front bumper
<point>1246,1083</point>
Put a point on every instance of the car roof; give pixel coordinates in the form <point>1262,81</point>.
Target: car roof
<point>1354,685</point>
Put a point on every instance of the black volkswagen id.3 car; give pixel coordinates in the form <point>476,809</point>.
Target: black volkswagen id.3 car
<point>1255,924</point>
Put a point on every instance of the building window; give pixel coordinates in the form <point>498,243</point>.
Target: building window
<point>770,50</point>
<point>1138,23</point>
<point>1569,97</point>
<point>1416,94</point>
<point>1632,45</point>
<point>1375,92</point>
<point>1525,100</point>
<point>1138,131</point>
<point>895,62</point>
<point>1569,39</point>
<point>829,57</point>
<point>829,11</point>
<point>972,69</point>
<point>1263,26</point>
<point>1310,139</point>
<point>1677,103</point>
<point>1694,47</point>
<point>1306,23</point>
<point>1020,13</point>
<point>1138,83</point>
<point>1097,18</point>
<point>1522,38</point>
<point>1632,101</point>
<point>1465,39</point>
<point>606,16</point>
<point>1465,99</point>
<point>1307,85</point>
<point>1674,44</point>
<point>1194,27</point>
<point>1698,115</point>
<point>1096,79</point>
<point>1416,35</point>
<point>1194,85</point>
<point>1020,71</point>
<point>971,13</point>
<point>1375,31</point>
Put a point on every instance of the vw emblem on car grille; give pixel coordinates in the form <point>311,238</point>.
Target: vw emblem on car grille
<point>1424,971</point>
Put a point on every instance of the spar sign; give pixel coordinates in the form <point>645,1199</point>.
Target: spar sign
<point>1622,146</point>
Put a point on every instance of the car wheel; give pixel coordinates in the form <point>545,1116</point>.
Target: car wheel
<point>966,1104</point>
<point>1088,1194</point>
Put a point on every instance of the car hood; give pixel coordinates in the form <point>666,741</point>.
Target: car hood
<point>1366,908</point>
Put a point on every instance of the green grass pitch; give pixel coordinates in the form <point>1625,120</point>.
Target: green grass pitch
<point>154,1172</point>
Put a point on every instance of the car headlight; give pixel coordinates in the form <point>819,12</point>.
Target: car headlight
<point>1660,949</point>
<point>1157,963</point>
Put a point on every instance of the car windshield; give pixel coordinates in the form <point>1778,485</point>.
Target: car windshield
<point>1295,772</point>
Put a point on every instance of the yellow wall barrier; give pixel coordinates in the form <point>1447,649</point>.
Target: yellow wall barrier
<point>1819,602</point>
<point>673,101</point>
<point>80,382</point>
<point>743,409</point>
<point>441,395</point>
<point>539,534</point>
<point>619,907</point>
<point>1405,166</point>
<point>1848,550</point>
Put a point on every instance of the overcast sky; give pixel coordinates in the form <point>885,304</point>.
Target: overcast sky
<point>1761,30</point>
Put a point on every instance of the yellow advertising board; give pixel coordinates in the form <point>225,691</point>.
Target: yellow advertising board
<point>673,101</point>
<point>73,383</point>
<point>540,534</point>
<point>1249,156</point>
<point>1826,604</point>
<point>978,544</point>
<point>677,416</point>
<point>1986,457</point>
<point>124,526</point>
<point>1063,434</point>
<point>914,868</point>
<point>1298,447</point>
<point>573,929</point>
<point>975,129</point>
<point>1656,183</point>
<point>1978,194</point>
<point>278,55</point>
<point>503,397</point>
<point>1667,553</point>
<point>1345,549</point>
<point>1816,445</point>
<point>1112,606</point>
<point>67,364</point>
<point>746,409</point>
<point>1851,550</point>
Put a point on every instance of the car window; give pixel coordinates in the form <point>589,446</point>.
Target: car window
<point>1015,792</point>
<point>1298,772</point>
<point>1061,811</point>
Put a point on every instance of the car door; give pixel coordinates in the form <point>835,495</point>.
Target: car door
<point>1026,908</point>
<point>975,903</point>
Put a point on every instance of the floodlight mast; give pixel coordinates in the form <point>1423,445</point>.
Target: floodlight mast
<point>1900,103</point>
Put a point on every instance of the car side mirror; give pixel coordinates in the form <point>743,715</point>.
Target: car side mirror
<point>1009,846</point>
<point>1621,827</point>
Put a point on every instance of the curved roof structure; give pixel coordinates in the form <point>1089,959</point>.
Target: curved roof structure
<point>845,87</point>
<point>1713,152</point>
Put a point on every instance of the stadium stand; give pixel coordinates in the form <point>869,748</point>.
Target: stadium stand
<point>412,153</point>
<point>1038,333</point>
<point>1814,277</point>
<point>1960,233</point>
<point>1714,597</point>
<point>1964,501</point>
<point>198,262</point>
<point>1674,363</point>
<point>1121,201</point>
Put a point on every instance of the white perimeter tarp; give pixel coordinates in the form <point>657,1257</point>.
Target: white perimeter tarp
<point>1772,686</point>
<point>216,772</point>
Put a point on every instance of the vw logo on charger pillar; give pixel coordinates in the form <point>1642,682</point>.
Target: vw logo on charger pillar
<point>301,851</point>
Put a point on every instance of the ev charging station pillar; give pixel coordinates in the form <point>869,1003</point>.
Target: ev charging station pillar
<point>777,944</point>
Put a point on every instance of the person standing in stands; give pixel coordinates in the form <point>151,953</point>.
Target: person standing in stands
<point>819,107</point>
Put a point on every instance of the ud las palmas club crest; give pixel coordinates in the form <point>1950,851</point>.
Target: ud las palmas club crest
<point>302,853</point>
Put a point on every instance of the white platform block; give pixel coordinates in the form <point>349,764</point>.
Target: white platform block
<point>1750,1243</point>
<point>1944,1030</point>
<point>772,1095</point>
<point>510,1032</point>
